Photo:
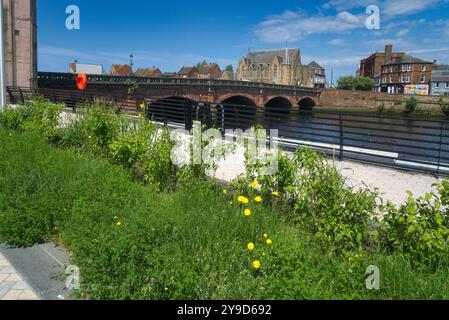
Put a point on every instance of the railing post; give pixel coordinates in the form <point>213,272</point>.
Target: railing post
<point>441,147</point>
<point>341,136</point>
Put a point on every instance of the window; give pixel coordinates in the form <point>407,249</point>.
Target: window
<point>275,73</point>
<point>409,67</point>
<point>447,85</point>
<point>408,79</point>
<point>402,78</point>
<point>436,85</point>
<point>423,79</point>
<point>424,67</point>
<point>391,79</point>
<point>391,69</point>
<point>404,67</point>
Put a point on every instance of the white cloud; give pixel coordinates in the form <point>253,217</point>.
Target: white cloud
<point>389,8</point>
<point>337,42</point>
<point>293,26</point>
<point>402,33</point>
<point>164,60</point>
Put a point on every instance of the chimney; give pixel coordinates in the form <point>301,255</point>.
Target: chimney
<point>388,52</point>
<point>434,61</point>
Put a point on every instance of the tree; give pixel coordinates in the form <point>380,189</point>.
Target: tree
<point>229,68</point>
<point>356,83</point>
<point>201,64</point>
<point>410,105</point>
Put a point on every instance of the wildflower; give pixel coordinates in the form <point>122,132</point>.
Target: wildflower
<point>269,242</point>
<point>231,202</point>
<point>166,289</point>
<point>247,212</point>
<point>140,116</point>
<point>256,264</point>
<point>115,218</point>
<point>90,137</point>
<point>119,223</point>
<point>275,193</point>
<point>142,106</point>
<point>265,235</point>
<point>258,199</point>
<point>250,246</point>
<point>225,191</point>
<point>243,199</point>
<point>264,254</point>
<point>255,184</point>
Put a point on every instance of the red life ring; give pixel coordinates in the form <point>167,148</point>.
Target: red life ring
<point>81,81</point>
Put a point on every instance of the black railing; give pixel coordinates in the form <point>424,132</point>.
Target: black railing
<point>414,144</point>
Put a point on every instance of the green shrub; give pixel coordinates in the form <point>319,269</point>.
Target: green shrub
<point>95,129</point>
<point>38,115</point>
<point>410,105</point>
<point>444,107</point>
<point>420,228</point>
<point>314,194</point>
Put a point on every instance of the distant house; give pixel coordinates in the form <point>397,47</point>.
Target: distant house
<point>120,70</point>
<point>439,81</point>
<point>169,75</point>
<point>210,71</point>
<point>188,72</point>
<point>320,74</point>
<point>85,68</point>
<point>148,72</point>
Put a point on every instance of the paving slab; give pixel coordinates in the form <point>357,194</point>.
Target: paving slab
<point>36,272</point>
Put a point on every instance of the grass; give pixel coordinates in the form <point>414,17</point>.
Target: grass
<point>132,242</point>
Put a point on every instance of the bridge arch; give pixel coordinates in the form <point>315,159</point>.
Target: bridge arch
<point>240,99</point>
<point>306,103</point>
<point>239,111</point>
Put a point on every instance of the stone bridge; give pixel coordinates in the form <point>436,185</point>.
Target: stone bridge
<point>198,90</point>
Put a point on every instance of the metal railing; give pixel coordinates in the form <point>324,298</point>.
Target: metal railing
<point>413,144</point>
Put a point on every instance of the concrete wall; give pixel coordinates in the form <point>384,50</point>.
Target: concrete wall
<point>20,42</point>
<point>333,98</point>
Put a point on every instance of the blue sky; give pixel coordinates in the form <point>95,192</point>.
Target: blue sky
<point>172,33</point>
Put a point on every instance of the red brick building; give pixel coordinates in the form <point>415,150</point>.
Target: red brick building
<point>188,72</point>
<point>371,67</point>
<point>120,70</point>
<point>210,71</point>
<point>406,74</point>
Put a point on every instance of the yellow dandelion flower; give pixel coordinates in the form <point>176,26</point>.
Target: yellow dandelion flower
<point>256,264</point>
<point>265,235</point>
<point>225,191</point>
<point>243,199</point>
<point>258,199</point>
<point>166,289</point>
<point>264,254</point>
<point>275,193</point>
<point>247,212</point>
<point>269,242</point>
<point>119,223</point>
<point>254,184</point>
<point>250,246</point>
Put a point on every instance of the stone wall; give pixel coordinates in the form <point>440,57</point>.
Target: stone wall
<point>20,42</point>
<point>333,98</point>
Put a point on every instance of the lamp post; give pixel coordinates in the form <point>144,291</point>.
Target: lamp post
<point>2,61</point>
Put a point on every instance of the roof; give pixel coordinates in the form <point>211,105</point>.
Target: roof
<point>315,65</point>
<point>406,58</point>
<point>186,70</point>
<point>440,76</point>
<point>267,56</point>
<point>207,69</point>
<point>148,72</point>
<point>443,67</point>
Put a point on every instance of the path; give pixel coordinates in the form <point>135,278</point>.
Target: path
<point>393,184</point>
<point>12,284</point>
